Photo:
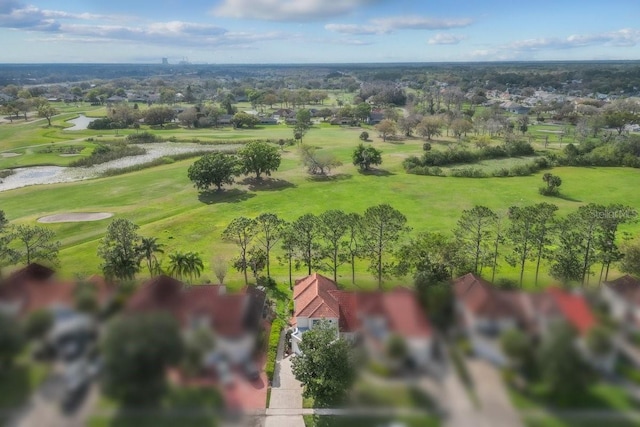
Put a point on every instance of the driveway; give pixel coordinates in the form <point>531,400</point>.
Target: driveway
<point>495,404</point>
<point>44,408</point>
<point>285,405</point>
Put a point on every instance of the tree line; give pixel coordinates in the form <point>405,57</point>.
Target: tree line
<point>324,242</point>
<point>583,244</point>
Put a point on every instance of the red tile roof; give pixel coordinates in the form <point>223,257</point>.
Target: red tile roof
<point>316,294</point>
<point>575,309</point>
<point>227,314</point>
<point>403,313</point>
<point>483,299</point>
<point>35,288</point>
<point>312,296</point>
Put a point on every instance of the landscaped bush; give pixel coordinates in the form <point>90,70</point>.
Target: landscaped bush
<point>272,350</point>
<point>549,191</point>
<point>624,151</point>
<point>414,164</point>
<point>468,173</point>
<point>64,149</point>
<point>107,153</point>
<point>143,138</point>
<point>101,124</point>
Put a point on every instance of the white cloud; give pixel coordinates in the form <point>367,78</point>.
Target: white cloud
<point>413,22</point>
<point>288,10</point>
<point>86,27</point>
<point>397,23</point>
<point>444,38</point>
<point>620,38</point>
<point>353,29</point>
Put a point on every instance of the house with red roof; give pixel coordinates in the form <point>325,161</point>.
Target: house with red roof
<point>622,295</point>
<point>484,312</point>
<point>368,317</point>
<point>36,287</point>
<point>234,319</point>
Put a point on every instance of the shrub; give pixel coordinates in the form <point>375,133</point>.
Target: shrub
<point>272,351</point>
<point>101,124</point>
<point>464,156</point>
<point>549,191</point>
<point>143,138</point>
<point>38,324</point>
<point>502,172</point>
<point>468,173</point>
<point>106,153</point>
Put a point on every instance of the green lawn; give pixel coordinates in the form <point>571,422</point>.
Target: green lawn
<point>366,394</point>
<point>352,421</point>
<point>552,421</point>
<point>152,421</point>
<point>598,396</point>
<point>164,203</point>
<point>173,410</point>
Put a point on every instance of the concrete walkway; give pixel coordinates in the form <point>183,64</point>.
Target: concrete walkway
<point>455,400</point>
<point>285,405</point>
<point>495,405</point>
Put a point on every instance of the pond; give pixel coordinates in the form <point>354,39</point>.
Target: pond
<point>80,123</point>
<point>40,175</point>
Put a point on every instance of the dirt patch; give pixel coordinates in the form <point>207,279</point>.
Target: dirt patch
<point>75,217</point>
<point>9,155</point>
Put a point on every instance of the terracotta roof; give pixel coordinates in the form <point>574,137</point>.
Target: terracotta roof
<point>628,287</point>
<point>227,314</point>
<point>348,307</point>
<point>403,313</point>
<point>35,287</point>
<point>483,299</point>
<point>318,296</point>
<point>312,296</point>
<point>574,309</point>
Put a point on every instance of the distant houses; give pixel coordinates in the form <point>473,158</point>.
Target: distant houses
<point>484,312</point>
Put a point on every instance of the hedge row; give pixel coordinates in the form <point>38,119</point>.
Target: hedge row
<point>274,339</point>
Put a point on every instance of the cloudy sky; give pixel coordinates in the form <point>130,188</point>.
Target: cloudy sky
<point>315,31</point>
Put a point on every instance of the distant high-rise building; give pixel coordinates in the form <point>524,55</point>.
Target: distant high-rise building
<point>165,61</point>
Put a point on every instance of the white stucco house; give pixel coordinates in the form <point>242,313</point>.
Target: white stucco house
<point>369,318</point>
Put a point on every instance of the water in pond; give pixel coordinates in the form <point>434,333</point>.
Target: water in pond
<point>39,175</point>
<point>81,123</point>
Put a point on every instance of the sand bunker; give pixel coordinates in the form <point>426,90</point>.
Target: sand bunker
<point>9,155</point>
<point>75,217</point>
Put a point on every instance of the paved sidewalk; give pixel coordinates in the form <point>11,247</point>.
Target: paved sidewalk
<point>286,394</point>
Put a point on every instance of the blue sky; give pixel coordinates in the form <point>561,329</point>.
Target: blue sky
<point>313,31</point>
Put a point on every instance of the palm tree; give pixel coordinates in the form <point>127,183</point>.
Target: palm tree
<point>178,265</point>
<point>194,265</point>
<point>148,248</point>
<point>185,265</point>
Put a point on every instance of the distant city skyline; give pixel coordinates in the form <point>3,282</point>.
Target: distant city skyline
<point>316,31</point>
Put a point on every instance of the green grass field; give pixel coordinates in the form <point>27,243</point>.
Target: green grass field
<point>166,205</point>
